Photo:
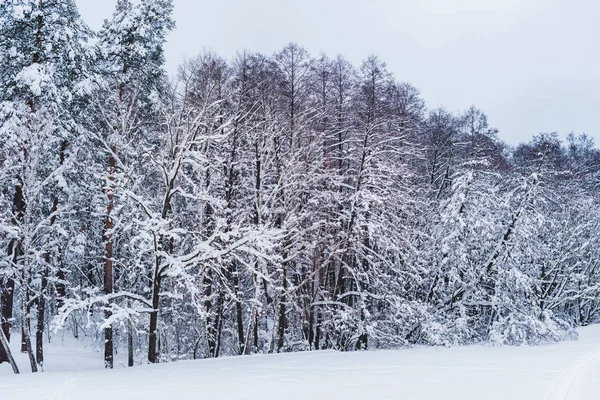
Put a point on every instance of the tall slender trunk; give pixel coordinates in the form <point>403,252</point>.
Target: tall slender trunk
<point>310,329</point>
<point>208,333</point>
<point>239,310</point>
<point>108,263</point>
<point>6,300</point>
<point>41,303</point>
<point>152,339</point>
<point>25,331</point>
<point>129,343</point>
<point>41,310</point>
<point>218,324</point>
<point>318,329</point>
<point>26,325</point>
<point>282,317</point>
<point>5,349</point>
<point>61,288</point>
<point>253,326</point>
<point>252,332</point>
<point>15,252</point>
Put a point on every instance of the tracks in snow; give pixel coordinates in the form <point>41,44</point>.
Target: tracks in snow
<point>566,388</point>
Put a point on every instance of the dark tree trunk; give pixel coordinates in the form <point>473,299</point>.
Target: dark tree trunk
<point>281,325</point>
<point>26,312</point>
<point>108,265</point>
<point>129,344</point>
<point>41,303</point>
<point>256,332</point>
<point>41,310</point>
<point>5,349</point>
<point>6,300</point>
<point>282,320</point>
<point>218,325</point>
<point>61,289</point>
<point>310,334</point>
<point>152,340</point>
<point>239,310</point>
<point>14,253</point>
<point>207,281</point>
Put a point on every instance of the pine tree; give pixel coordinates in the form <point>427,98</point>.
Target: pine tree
<point>129,78</point>
<point>42,61</point>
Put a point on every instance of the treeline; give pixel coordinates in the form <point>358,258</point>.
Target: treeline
<point>269,203</point>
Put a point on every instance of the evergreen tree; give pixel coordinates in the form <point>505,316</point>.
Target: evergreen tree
<point>42,61</point>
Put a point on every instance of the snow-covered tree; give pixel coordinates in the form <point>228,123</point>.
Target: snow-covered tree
<point>42,61</point>
<point>269,203</point>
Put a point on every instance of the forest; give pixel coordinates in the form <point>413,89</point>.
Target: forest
<point>269,203</point>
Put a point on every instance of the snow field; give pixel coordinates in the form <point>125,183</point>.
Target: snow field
<point>568,370</point>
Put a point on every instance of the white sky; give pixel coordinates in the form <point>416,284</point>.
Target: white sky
<point>532,65</point>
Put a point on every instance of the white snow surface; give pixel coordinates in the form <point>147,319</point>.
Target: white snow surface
<point>568,370</point>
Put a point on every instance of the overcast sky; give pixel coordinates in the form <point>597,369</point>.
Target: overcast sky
<point>532,65</point>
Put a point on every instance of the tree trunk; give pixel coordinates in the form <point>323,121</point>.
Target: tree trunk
<point>318,330</point>
<point>26,310</point>
<point>152,339</point>
<point>208,333</point>
<point>25,322</point>
<point>129,344</point>
<point>61,289</point>
<point>251,331</point>
<point>239,311</point>
<point>282,321</point>
<point>6,300</point>
<point>218,324</point>
<point>5,349</point>
<point>253,326</point>
<point>14,251</point>
<point>24,335</point>
<point>41,309</point>
<point>41,303</point>
<point>108,265</point>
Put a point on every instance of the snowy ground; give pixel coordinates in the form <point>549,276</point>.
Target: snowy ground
<point>569,370</point>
